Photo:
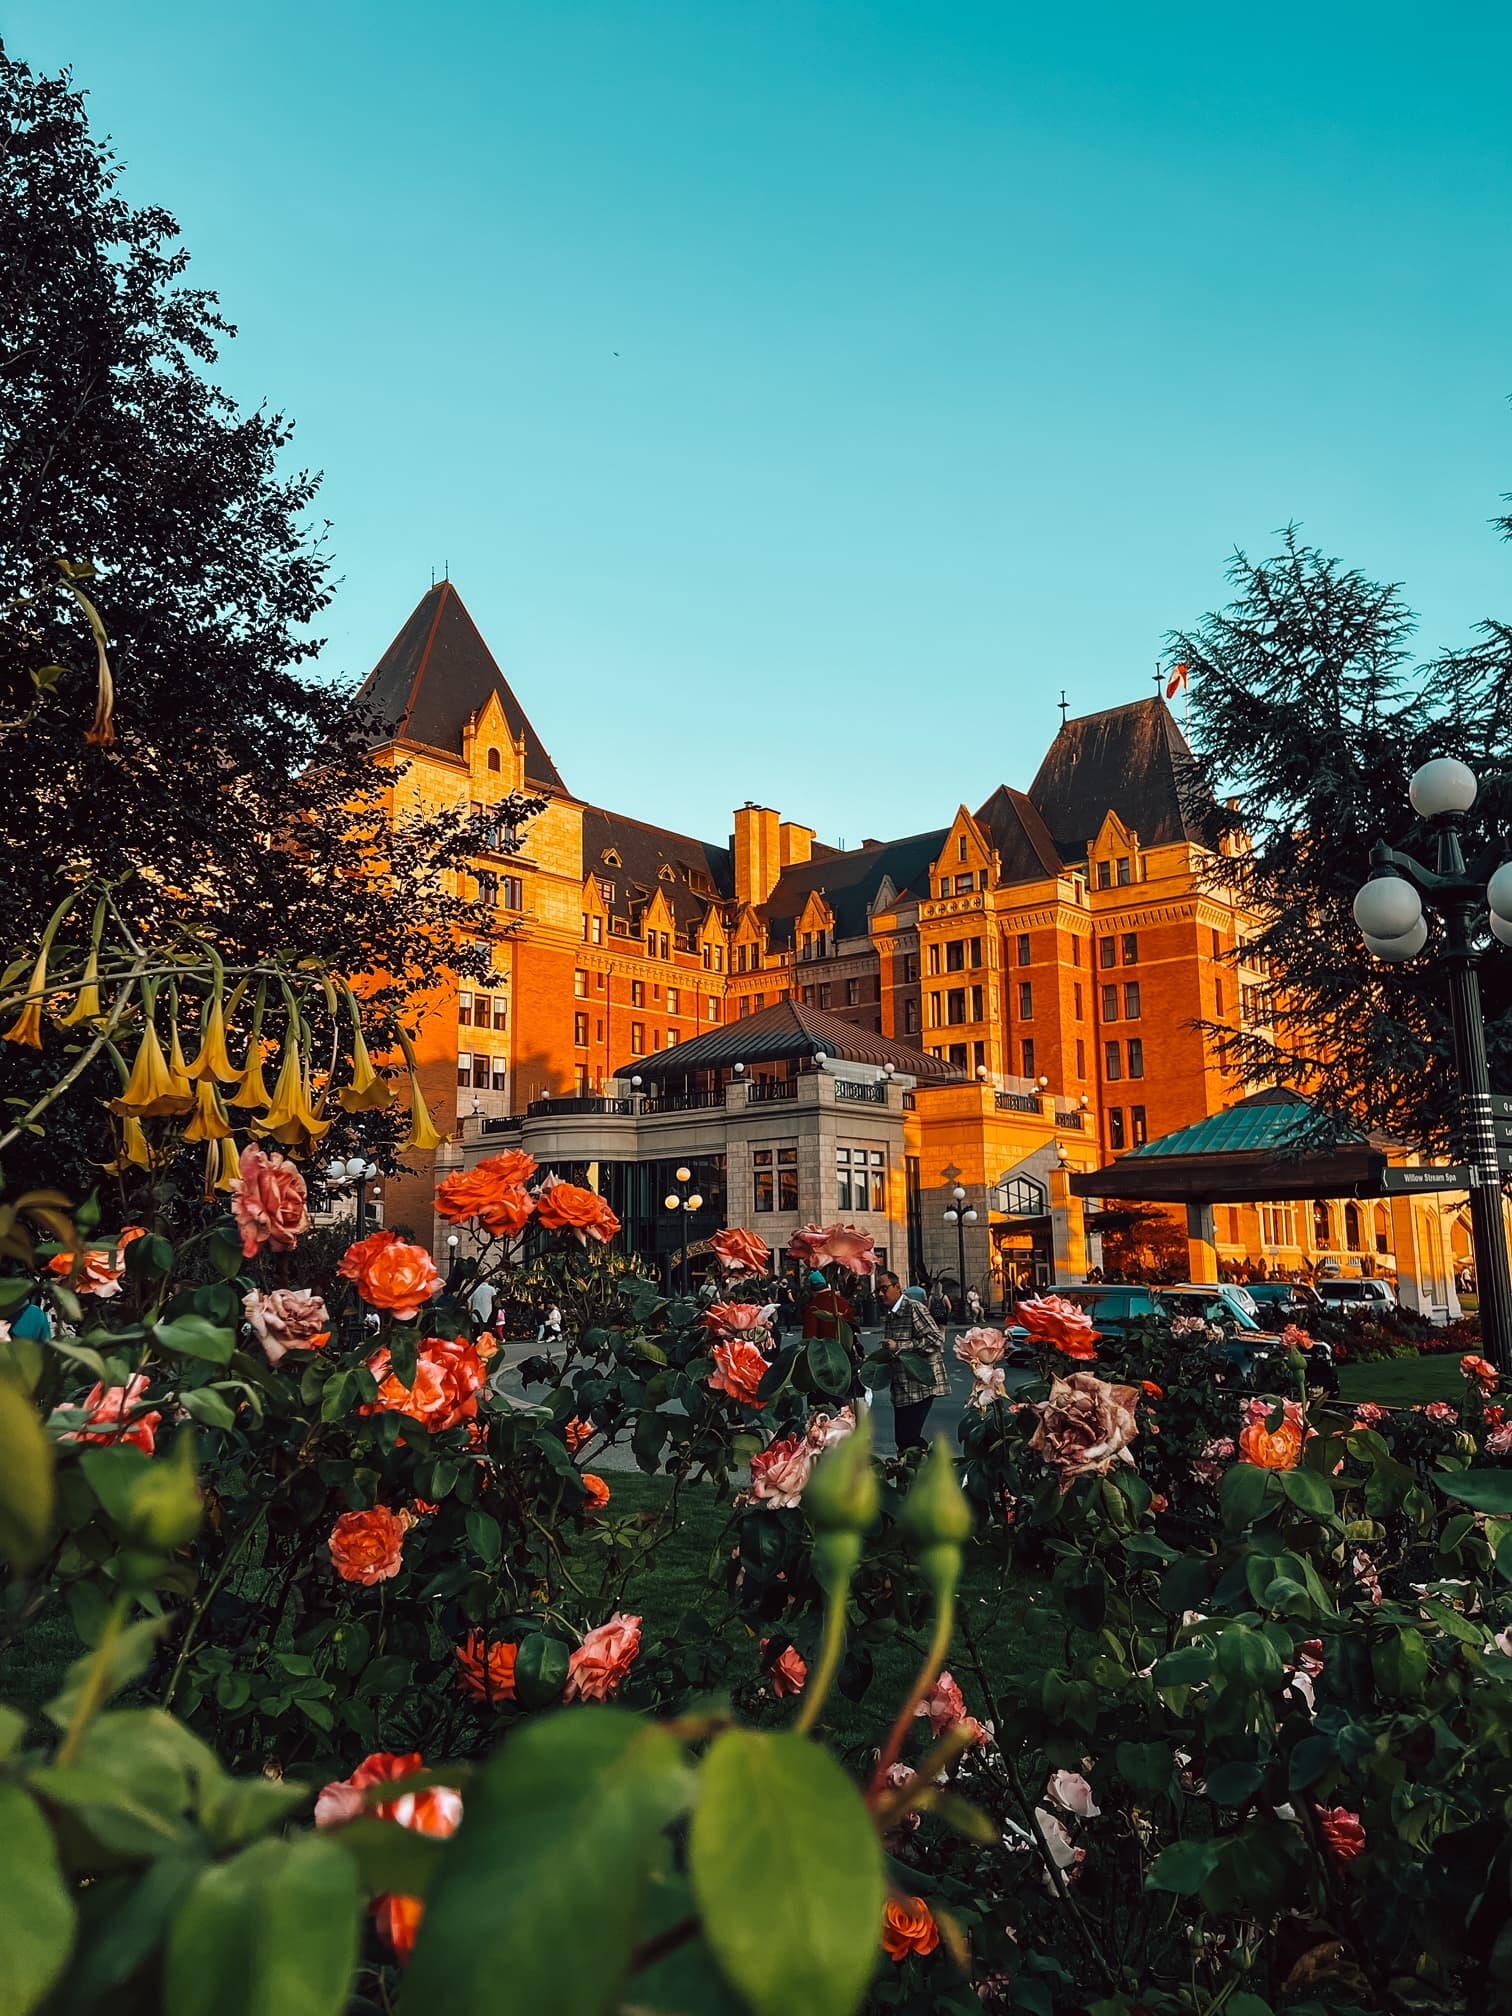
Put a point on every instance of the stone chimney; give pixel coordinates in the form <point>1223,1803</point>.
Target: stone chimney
<point>796,844</point>
<point>758,853</point>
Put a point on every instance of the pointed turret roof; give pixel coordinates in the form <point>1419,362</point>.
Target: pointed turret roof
<point>437,674</point>
<point>1131,760</point>
<point>1026,851</point>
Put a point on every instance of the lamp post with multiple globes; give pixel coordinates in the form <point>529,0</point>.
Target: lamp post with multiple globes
<point>960,1214</point>
<point>354,1175</point>
<point>1389,910</point>
<point>684,1201</point>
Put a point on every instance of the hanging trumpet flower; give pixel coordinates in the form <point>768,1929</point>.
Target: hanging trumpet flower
<point>226,1159</point>
<point>422,1138</point>
<point>368,1091</point>
<point>252,1092</point>
<point>86,1005</point>
<point>209,1121</point>
<point>290,1118</point>
<point>27,1027</point>
<point>135,1153</point>
<point>152,1091</point>
<point>214,1059</point>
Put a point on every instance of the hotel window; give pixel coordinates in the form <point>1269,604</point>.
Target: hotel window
<point>910,1018</point>
<point>501,1012</point>
<point>808,946</point>
<point>606,890</point>
<point>958,1056</point>
<point>1125,871</point>
<point>482,1011</point>
<point>598,981</point>
<point>1107,952</point>
<point>656,990</point>
<point>1136,1057</point>
<point>979,1054</point>
<point>787,1179</point>
<point>663,943</point>
<point>656,1042</point>
<point>464,1009</point>
<point>955,955</point>
<point>955,1005</point>
<point>580,1031</point>
<point>637,993</point>
<point>824,993</point>
<point>1322,1225</point>
<point>1023,948</point>
<point>961,847</point>
<point>853,993</point>
<point>1137,1122</point>
<point>500,1074</point>
<point>1081,1058</point>
<point>843,1178</point>
<point>493,760</point>
<point>762,1172</point>
<point>807,997</point>
<point>1026,1001</point>
<point>1131,948</point>
<point>1131,1001</point>
<point>1112,1061</point>
<point>1218,994</point>
<point>934,959</point>
<point>821,944</point>
<point>1110,1004</point>
<point>1115,1128</point>
<point>672,1039</point>
<point>910,967</point>
<point>1217,944</point>
<point>1076,1000</point>
<point>714,1011</point>
<point>598,1029</point>
<point>1105,874</point>
<point>512,893</point>
<point>585,927</point>
<point>488,888</point>
<point>580,984</point>
<point>674,1001</point>
<point>1076,951</point>
<point>743,1007</point>
<point>598,931</point>
<point>760,1003</point>
<point>1027,1050</point>
<point>974,952</point>
<point>637,1039</point>
<point>976,1005</point>
<point>464,1067</point>
<point>740,958</point>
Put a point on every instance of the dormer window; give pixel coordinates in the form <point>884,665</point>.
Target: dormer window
<point>494,762</point>
<point>666,872</point>
<point>961,847</point>
<point>610,858</point>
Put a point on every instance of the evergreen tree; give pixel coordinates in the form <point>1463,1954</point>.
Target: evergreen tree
<point>1309,718</point>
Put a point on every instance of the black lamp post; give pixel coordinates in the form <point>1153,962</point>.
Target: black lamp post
<point>684,1201</point>
<point>354,1175</point>
<point>960,1214</point>
<point>1389,911</point>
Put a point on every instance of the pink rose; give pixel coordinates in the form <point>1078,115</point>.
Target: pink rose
<point>816,1247</point>
<point>1071,1790</point>
<point>1499,1441</point>
<point>1369,1415</point>
<point>780,1471</point>
<point>988,1385</point>
<point>113,1414</point>
<point>1064,1852</point>
<point>598,1667</point>
<point>825,1430</point>
<point>788,1672</point>
<point>287,1319</point>
<point>980,1347</point>
<point>944,1704</point>
<point>1439,1410</point>
<point>269,1203</point>
<point>1085,1427</point>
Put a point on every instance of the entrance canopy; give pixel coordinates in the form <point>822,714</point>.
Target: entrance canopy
<point>1273,1147</point>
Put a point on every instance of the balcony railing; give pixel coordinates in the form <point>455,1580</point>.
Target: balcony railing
<point>578,1103</point>
<point>762,1091</point>
<point>682,1102</point>
<point>1075,1121</point>
<point>1016,1102</point>
<point>859,1092</point>
<point>505,1125</point>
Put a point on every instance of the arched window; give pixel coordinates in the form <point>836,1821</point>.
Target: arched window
<point>1382,1229</point>
<point>493,760</point>
<point>1352,1238</point>
<point>1322,1229</point>
<point>1023,1197</point>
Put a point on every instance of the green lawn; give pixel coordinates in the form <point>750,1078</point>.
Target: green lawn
<point>1403,1382</point>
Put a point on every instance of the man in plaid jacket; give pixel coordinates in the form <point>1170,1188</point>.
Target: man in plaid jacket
<point>909,1330</point>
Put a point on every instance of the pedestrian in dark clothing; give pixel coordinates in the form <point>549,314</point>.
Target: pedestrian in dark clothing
<point>908,1327</point>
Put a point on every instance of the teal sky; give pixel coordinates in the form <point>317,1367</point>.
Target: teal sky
<point>841,381</point>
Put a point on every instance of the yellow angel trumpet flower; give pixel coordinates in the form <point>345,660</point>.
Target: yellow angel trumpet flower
<point>422,1137</point>
<point>151,1092</point>
<point>368,1092</point>
<point>227,1162</point>
<point>209,1122</point>
<point>27,1027</point>
<point>136,1153</point>
<point>290,1119</point>
<point>178,1070</point>
<point>87,1002</point>
<point>214,1059</point>
<point>252,1092</point>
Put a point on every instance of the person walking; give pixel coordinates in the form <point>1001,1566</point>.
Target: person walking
<point>550,1331</point>
<point>974,1310</point>
<point>908,1327</point>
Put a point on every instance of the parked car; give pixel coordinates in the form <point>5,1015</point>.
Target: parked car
<point>1249,1350</point>
<point>1366,1297</point>
<point>1284,1302</point>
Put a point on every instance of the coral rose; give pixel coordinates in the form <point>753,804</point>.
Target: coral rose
<point>1342,1832</point>
<point>981,1347</point>
<point>1368,1415</point>
<point>368,1547</point>
<point>739,1371</point>
<point>100,1267</point>
<point>487,1672</point>
<point>449,1375</point>
<point>1482,1369</point>
<point>576,1434</point>
<point>780,1471</point>
<point>1085,1427</point>
<point>1052,1320</point>
<point>287,1319</point>
<point>597,1490</point>
<point>437,1812</point>
<point>343,1799</point>
<point>788,1672</point>
<point>269,1202</point>
<point>825,1430</point>
<point>908,1926</point>
<point>110,1415</point>
<point>399,1920</point>
<point>1438,1410</point>
<point>566,1208</point>
<point>391,1274</point>
<point>1274,1449</point>
<point>598,1667</point>
<point>817,1246</point>
<point>989,1384</point>
<point>740,1252</point>
<point>944,1704</point>
<point>494,1193</point>
<point>751,1320</point>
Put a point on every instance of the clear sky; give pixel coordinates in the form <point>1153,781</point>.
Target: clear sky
<point>802,395</point>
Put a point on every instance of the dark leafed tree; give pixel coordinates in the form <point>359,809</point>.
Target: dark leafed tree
<point>236,797</point>
<point>1309,717</point>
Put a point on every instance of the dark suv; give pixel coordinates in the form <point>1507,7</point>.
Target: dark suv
<point>1283,1302</point>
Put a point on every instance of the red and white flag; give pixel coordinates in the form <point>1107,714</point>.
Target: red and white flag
<point>1177,683</point>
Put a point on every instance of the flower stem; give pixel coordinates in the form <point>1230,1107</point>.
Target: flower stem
<point>831,1649</point>
<point>96,1681</point>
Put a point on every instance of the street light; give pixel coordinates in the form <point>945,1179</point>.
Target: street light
<point>683,1201</point>
<point>354,1175</point>
<point>1389,910</point>
<point>960,1214</point>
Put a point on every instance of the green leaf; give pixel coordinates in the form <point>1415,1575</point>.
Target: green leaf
<point>109,1812</point>
<point>1144,1766</point>
<point>206,1405</point>
<point>1249,1658</point>
<point>390,1857</point>
<point>777,1818</point>
<point>1481,1490</point>
<point>125,1920</point>
<point>484,1533</point>
<point>829,1367</point>
<point>541,1670</point>
<point>129,1657</point>
<point>1400,1662</point>
<point>26,1480</point>
<point>148,1259</point>
<point>1242,1495</point>
<point>39,1913</point>
<point>153,1499</point>
<point>1234,1784</point>
<point>1183,1867</point>
<point>1188,1666</point>
<point>12,1730</point>
<point>274,1932</point>
<point>1308,1492</point>
<point>193,1336</point>
<point>239,1809</point>
<point>561,1832</point>
<point>225,1254</point>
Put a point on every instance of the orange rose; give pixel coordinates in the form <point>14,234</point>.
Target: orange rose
<point>437,1812</point>
<point>487,1672</point>
<point>566,1208</point>
<point>1472,1367</point>
<point>269,1202</point>
<point>449,1376</point>
<point>1052,1320</point>
<point>1280,1449</point>
<point>399,1920</point>
<point>908,1926</point>
<point>740,1369</point>
<point>598,1667</point>
<point>100,1267</point>
<point>788,1672</point>
<point>368,1547</point>
<point>741,1252</point>
<point>487,1347</point>
<point>738,1319</point>
<point>1150,1390</point>
<point>390,1274</point>
<point>110,1415</point>
<point>493,1193</point>
<point>576,1434</point>
<point>598,1491</point>
<point>343,1800</point>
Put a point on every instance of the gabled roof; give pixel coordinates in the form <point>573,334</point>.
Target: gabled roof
<point>850,882</point>
<point>701,874</point>
<point>787,1034</point>
<point>437,674</point>
<point>1026,851</point>
<point>1132,760</point>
